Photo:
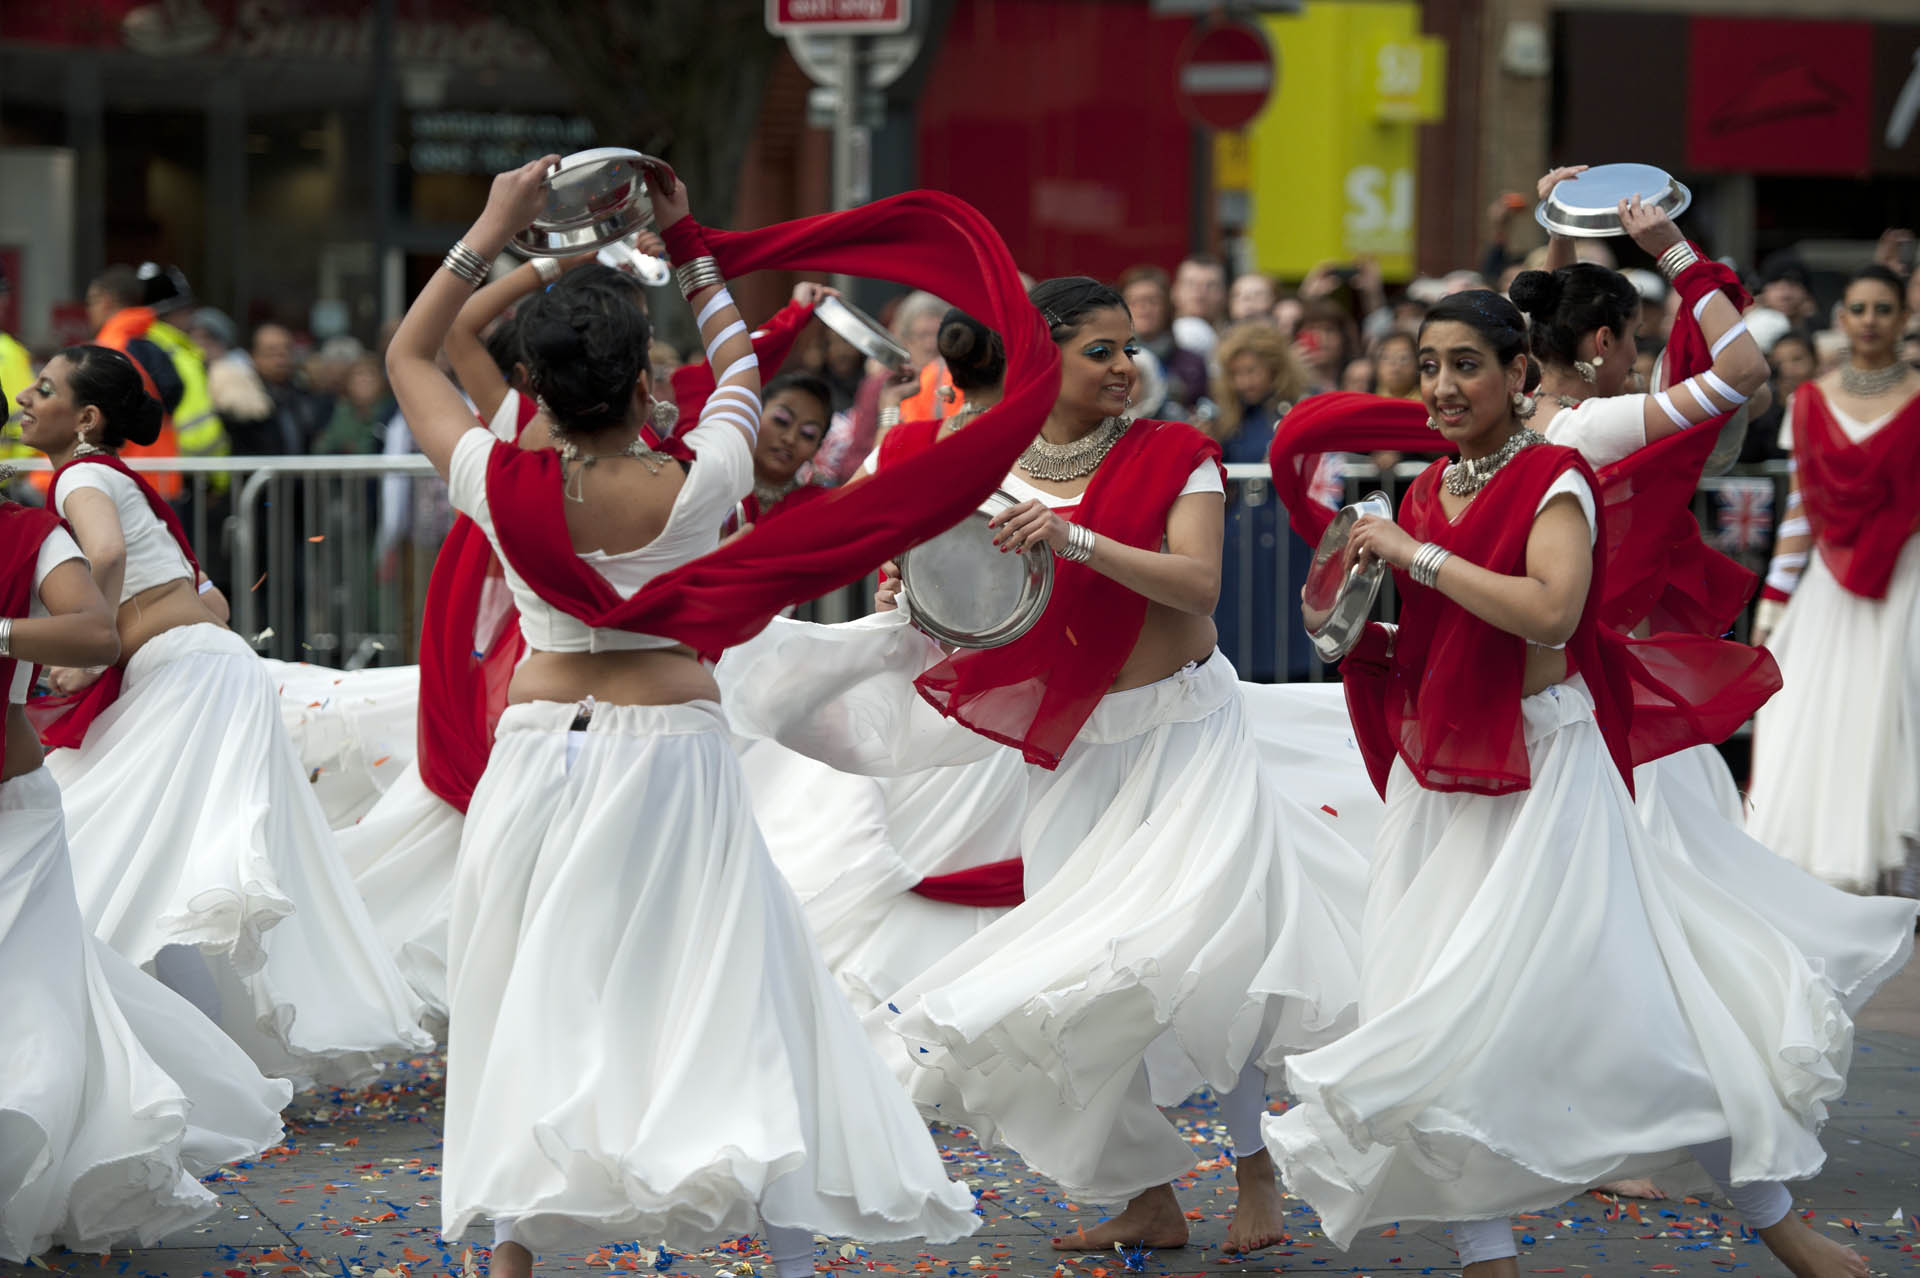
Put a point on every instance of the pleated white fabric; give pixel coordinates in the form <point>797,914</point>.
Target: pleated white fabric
<point>114,1093</point>
<point>644,1040</point>
<point>1552,999</point>
<point>853,848</point>
<point>192,825</point>
<point>1690,804</point>
<point>401,856</point>
<point>1836,753</point>
<point>353,729</point>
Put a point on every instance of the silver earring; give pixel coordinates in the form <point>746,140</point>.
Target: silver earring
<point>85,449</point>
<point>1524,406</point>
<point>1588,372</point>
<point>664,415</point>
<point>1433,423</point>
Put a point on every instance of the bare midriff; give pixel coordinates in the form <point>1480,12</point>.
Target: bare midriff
<point>155,611</point>
<point>1169,639</point>
<point>23,747</point>
<point>648,677</point>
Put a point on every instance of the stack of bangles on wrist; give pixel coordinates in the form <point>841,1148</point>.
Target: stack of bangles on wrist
<point>1079,547</point>
<point>694,267</point>
<point>1677,259</point>
<point>1425,568</point>
<point>466,264</point>
<point>6,636</point>
<point>889,416</point>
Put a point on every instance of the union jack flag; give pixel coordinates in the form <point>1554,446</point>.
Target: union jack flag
<point>1745,514</point>
<point>1329,485</point>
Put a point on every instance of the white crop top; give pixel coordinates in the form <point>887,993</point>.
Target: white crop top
<point>1205,478</point>
<point>153,559</point>
<point>1603,430</point>
<point>715,483</point>
<point>57,549</point>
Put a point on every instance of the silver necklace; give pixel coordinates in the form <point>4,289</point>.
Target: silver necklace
<point>1468,476</point>
<point>1866,383</point>
<point>570,452</point>
<point>1063,463</point>
<point>770,495</point>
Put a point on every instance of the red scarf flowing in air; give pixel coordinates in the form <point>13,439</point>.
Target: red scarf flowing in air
<point>1863,499</point>
<point>23,529</point>
<point>1682,689</point>
<point>62,720</point>
<point>923,239</point>
<point>1035,694</point>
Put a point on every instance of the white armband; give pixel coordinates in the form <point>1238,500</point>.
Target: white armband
<point>1726,339</point>
<point>1700,307</point>
<point>721,297</point>
<point>719,339</point>
<point>739,366</point>
<point>1665,400</point>
<point>207,585</point>
<point>1719,387</point>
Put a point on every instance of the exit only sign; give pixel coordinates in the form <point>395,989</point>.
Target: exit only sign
<point>837,17</point>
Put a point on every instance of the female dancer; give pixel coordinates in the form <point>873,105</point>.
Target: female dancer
<point>1836,754</point>
<point>1582,330</point>
<point>115,1094</point>
<point>1513,883</point>
<point>199,849</point>
<point>619,935</point>
<point>795,411</point>
<point>1225,934</point>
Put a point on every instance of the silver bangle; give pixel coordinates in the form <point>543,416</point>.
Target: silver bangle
<point>1677,259</point>
<point>1425,568</point>
<point>1079,547</point>
<point>466,264</point>
<point>547,268</point>
<point>701,272</point>
<point>6,636</point>
<point>890,416</point>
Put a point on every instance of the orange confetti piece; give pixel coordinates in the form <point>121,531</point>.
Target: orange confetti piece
<point>1633,1210</point>
<point>382,759</point>
<point>1195,1215</point>
<point>1391,1231</point>
<point>1070,636</point>
<point>256,585</point>
<point>318,538</point>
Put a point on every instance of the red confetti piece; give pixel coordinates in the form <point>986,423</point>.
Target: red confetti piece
<point>1329,811</point>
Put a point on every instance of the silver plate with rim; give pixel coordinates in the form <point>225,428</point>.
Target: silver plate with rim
<point>1339,594</point>
<point>594,198</point>
<point>962,591</point>
<point>864,333</point>
<point>1587,206</point>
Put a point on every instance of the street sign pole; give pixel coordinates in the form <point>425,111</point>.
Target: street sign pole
<point>852,141</point>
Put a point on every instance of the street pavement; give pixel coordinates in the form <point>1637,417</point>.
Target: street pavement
<point>354,1193</point>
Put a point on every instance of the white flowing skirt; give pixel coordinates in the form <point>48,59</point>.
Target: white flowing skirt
<point>853,848</point>
<point>1181,921</point>
<point>114,1093</point>
<point>644,1041</point>
<point>353,729</point>
<point>1836,753</point>
<point>1552,999</point>
<point>192,825</point>
<point>401,856</point>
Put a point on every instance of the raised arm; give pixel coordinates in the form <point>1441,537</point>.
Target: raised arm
<point>736,371</point>
<point>434,410</point>
<point>1560,248</point>
<point>1542,606</point>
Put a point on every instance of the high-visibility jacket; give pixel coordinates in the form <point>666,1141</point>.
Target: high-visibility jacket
<point>197,429</point>
<point>16,374</point>
<point>126,327</point>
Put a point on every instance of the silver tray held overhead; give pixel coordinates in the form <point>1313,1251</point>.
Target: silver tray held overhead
<point>864,333</point>
<point>594,198</point>
<point>962,591</point>
<point>1587,205</point>
<point>1339,593</point>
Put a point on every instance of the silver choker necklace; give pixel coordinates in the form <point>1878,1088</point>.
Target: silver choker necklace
<point>770,495</point>
<point>1867,383</point>
<point>1468,476</point>
<point>1064,463</point>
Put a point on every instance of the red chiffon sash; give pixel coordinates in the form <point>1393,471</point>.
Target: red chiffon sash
<point>22,531</point>
<point>1863,499</point>
<point>922,238</point>
<point>998,884</point>
<point>1035,693</point>
<point>62,719</point>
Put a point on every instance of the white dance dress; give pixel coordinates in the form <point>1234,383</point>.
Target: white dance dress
<point>644,1042</point>
<point>354,730</point>
<point>200,852</point>
<point>1836,753</point>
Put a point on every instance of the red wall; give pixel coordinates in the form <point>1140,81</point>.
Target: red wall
<point>1056,119</point>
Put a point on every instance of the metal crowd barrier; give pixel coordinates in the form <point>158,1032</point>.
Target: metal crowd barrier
<point>326,559</point>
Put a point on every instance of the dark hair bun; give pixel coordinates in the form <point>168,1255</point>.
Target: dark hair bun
<point>1535,292</point>
<point>103,378</point>
<point>586,348</point>
<point>976,357</point>
<point>1065,301</point>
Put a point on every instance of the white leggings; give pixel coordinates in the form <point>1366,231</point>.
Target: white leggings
<point>1242,1109</point>
<point>1760,1204</point>
<point>790,1249</point>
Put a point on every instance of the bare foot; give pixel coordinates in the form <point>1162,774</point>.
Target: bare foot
<point>510,1260</point>
<point>1809,1253</point>
<point>1630,1189</point>
<point>1153,1219</point>
<point>1259,1215</point>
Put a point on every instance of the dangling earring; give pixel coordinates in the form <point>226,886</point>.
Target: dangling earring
<point>1433,423</point>
<point>1524,406</point>
<point>663,416</point>
<point>1588,372</point>
<point>83,448</point>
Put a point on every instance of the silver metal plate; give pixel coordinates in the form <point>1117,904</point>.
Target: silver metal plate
<point>962,591</point>
<point>1339,593</point>
<point>594,198</point>
<point>1588,206</point>
<point>864,333</point>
